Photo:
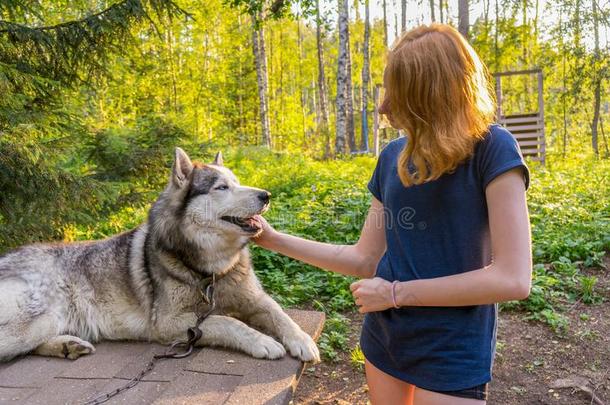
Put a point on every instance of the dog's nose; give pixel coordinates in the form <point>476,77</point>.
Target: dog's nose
<point>264,196</point>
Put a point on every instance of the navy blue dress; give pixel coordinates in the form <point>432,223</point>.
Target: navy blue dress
<point>433,230</point>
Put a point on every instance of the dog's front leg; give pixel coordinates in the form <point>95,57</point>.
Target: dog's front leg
<point>218,330</point>
<point>266,314</point>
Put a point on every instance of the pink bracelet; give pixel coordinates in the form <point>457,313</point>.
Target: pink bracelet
<point>394,293</point>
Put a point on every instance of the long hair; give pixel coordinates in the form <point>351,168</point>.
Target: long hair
<point>438,92</point>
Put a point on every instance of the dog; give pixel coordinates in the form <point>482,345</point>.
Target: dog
<point>57,299</point>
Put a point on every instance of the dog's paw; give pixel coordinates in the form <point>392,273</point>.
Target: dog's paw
<point>75,347</point>
<point>303,347</point>
<point>65,346</point>
<point>266,347</point>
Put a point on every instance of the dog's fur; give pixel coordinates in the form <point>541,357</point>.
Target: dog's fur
<point>55,299</point>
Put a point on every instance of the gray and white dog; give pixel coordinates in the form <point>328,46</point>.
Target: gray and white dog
<point>55,299</point>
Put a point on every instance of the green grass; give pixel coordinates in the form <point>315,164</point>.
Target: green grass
<point>327,201</point>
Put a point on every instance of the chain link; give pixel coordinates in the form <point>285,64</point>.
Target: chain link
<point>130,384</point>
<point>194,334</point>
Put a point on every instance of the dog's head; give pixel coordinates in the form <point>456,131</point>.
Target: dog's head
<point>211,198</point>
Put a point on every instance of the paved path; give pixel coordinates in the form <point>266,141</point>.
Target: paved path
<point>209,376</point>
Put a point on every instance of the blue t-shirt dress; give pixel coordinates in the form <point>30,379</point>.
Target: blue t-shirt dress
<point>433,230</point>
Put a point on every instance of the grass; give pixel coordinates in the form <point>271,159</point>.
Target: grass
<point>327,201</point>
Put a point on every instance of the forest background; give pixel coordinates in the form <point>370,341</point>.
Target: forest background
<point>94,96</point>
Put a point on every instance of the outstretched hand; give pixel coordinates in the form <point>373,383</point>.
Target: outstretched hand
<point>372,294</point>
<point>266,234</point>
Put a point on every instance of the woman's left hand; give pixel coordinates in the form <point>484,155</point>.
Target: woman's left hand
<point>372,294</point>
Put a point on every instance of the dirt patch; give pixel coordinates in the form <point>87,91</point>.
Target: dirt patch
<point>337,382</point>
<point>532,359</point>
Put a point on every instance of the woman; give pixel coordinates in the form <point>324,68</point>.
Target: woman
<point>446,199</point>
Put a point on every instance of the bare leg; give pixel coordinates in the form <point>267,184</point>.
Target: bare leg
<point>425,397</point>
<point>385,389</point>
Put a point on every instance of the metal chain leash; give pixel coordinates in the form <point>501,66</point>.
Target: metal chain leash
<point>193,335</point>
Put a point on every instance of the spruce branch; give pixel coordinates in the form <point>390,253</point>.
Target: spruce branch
<point>66,51</point>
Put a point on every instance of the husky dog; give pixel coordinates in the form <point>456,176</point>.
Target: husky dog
<point>55,299</point>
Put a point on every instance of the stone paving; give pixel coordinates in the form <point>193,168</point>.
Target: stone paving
<point>209,376</point>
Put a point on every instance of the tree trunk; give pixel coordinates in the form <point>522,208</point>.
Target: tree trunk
<point>349,101</point>
<point>260,57</point>
<point>463,18</point>
<point>341,101</point>
<point>440,11</point>
<point>496,38</point>
<point>376,120</point>
<point>300,81</point>
<point>385,23</point>
<point>564,86</point>
<point>404,15</point>
<point>536,20</point>
<point>395,20</point>
<point>601,128</point>
<point>366,74</point>
<point>525,37</point>
<point>323,125</point>
<point>172,68</point>
<point>596,81</point>
<point>432,17</point>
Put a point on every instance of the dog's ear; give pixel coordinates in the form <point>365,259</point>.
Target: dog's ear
<point>182,168</point>
<point>218,159</point>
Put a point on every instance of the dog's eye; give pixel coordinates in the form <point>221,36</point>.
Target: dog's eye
<point>223,187</point>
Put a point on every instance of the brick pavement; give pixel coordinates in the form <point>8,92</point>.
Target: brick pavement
<point>209,376</point>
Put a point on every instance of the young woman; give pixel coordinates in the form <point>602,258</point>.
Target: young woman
<point>447,235</point>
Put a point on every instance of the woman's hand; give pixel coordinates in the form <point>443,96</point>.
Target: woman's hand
<point>372,294</point>
<point>266,235</point>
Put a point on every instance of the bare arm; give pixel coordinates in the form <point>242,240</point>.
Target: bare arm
<point>507,278</point>
<point>358,260</point>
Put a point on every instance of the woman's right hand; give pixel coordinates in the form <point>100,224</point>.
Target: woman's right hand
<point>264,238</point>
<point>357,260</point>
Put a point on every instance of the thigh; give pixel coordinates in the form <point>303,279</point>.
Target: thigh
<point>425,397</point>
<point>385,389</point>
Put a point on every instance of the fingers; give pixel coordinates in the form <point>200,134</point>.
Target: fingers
<point>355,285</point>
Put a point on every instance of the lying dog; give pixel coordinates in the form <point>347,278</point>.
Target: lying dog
<point>145,284</point>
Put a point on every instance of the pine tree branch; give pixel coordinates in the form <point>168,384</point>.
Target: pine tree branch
<point>117,6</point>
<point>66,50</point>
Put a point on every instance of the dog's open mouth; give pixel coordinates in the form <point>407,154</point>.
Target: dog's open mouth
<point>246,224</point>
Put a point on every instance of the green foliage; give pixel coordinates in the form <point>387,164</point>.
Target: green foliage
<point>325,201</point>
<point>357,358</point>
<point>334,337</point>
<point>569,210</point>
<point>95,95</point>
<point>24,177</point>
<point>62,51</point>
<point>136,155</point>
<point>570,216</point>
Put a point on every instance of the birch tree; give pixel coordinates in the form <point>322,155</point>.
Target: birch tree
<point>349,99</point>
<point>463,17</point>
<point>403,20</point>
<point>260,58</point>
<point>323,126</point>
<point>385,23</point>
<point>440,10</point>
<point>342,73</point>
<point>366,74</point>
<point>596,80</point>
